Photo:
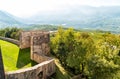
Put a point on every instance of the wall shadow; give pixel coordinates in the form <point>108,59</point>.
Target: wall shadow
<point>23,58</point>
<point>33,63</point>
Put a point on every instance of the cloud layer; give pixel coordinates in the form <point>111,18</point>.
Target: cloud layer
<point>24,8</point>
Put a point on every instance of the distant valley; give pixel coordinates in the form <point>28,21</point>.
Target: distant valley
<point>85,17</point>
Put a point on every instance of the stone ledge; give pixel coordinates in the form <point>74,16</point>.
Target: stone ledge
<point>46,67</point>
<point>10,40</point>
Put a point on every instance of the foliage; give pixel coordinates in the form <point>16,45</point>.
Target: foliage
<point>41,27</point>
<point>103,64</point>
<point>97,57</point>
<point>10,32</point>
<point>62,43</point>
<point>83,46</point>
<point>70,46</point>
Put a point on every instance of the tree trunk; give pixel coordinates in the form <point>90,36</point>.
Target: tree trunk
<point>82,67</point>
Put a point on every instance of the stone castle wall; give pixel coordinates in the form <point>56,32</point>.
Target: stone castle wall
<point>10,40</point>
<point>25,37</point>
<point>40,47</point>
<point>41,71</point>
<point>38,41</point>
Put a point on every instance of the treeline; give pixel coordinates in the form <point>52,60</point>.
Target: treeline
<point>13,32</point>
<point>94,56</point>
<point>41,27</point>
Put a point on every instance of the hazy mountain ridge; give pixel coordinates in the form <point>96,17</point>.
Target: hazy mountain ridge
<point>105,18</point>
<point>85,17</point>
<point>8,20</point>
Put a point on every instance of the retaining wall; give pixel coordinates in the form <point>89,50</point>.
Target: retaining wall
<point>38,41</point>
<point>10,40</point>
<point>41,71</point>
<point>40,58</point>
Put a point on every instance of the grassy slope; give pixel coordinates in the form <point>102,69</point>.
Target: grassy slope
<point>13,57</point>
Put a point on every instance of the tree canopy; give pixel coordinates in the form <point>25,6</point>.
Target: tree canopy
<point>82,54</point>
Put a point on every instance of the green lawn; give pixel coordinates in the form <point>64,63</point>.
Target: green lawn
<point>14,58</point>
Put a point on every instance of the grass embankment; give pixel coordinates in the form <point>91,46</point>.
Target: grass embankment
<point>14,58</point>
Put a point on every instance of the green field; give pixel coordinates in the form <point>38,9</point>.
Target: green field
<point>15,58</point>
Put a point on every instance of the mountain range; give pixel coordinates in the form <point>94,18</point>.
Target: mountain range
<point>8,20</point>
<point>85,17</point>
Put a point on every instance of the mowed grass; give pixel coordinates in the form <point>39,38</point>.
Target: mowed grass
<point>15,58</point>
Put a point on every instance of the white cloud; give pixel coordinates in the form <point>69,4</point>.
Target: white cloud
<point>23,8</point>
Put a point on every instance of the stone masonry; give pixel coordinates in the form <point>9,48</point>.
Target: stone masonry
<point>40,46</point>
<point>38,41</point>
<point>25,37</point>
<point>41,71</point>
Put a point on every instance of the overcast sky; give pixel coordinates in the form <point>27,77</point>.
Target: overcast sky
<point>25,8</point>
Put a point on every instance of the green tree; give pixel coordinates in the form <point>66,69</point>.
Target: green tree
<point>10,32</point>
<point>62,43</point>
<point>104,64</point>
<point>99,59</point>
<point>83,47</point>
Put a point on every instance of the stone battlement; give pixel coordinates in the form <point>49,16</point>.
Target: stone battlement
<point>25,37</point>
<point>38,41</point>
<point>40,71</point>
